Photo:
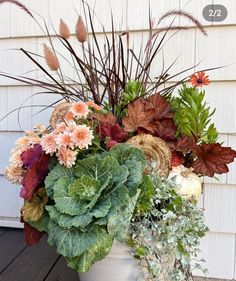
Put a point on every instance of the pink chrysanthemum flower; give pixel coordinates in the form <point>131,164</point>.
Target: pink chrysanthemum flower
<point>66,156</point>
<point>82,137</point>
<point>80,109</point>
<point>15,158</point>
<point>48,143</point>
<point>60,128</point>
<point>64,139</point>
<point>69,116</point>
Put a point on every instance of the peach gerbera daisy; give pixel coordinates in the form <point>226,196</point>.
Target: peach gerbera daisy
<point>199,79</point>
<point>82,137</point>
<point>48,143</point>
<point>80,109</point>
<point>69,116</point>
<point>66,156</point>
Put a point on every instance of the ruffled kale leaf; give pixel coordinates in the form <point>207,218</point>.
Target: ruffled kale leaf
<point>94,203</point>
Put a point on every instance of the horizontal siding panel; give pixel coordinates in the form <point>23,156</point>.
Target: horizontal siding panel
<point>5,16</point>
<point>3,108</point>
<point>7,142</point>
<point>220,207</point>
<point>231,176</point>
<point>138,13</point>
<point>20,104</point>
<point>230,5</point>
<point>222,96</point>
<point>10,203</point>
<point>43,106</point>
<point>195,8</point>
<point>218,249</point>
<point>217,50</point>
<point>219,179</point>
<point>24,25</point>
<point>13,61</point>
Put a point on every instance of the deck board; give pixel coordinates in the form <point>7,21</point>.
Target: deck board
<point>38,263</point>
<point>11,245</point>
<point>3,230</point>
<point>61,272</point>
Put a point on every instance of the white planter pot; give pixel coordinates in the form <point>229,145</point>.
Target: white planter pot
<point>119,265</point>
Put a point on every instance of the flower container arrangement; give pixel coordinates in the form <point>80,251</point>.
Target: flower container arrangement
<point>114,179</point>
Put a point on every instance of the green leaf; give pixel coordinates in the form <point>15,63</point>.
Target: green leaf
<point>55,174</point>
<point>130,157</point>
<point>70,243</point>
<point>147,192</point>
<point>84,188</point>
<point>42,224</point>
<point>97,252</point>
<point>64,202</point>
<point>67,221</point>
<point>118,223</point>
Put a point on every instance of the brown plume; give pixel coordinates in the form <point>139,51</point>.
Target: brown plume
<point>50,58</point>
<point>80,30</point>
<point>64,30</point>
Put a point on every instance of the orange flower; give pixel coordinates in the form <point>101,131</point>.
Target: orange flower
<point>94,105</point>
<point>199,79</point>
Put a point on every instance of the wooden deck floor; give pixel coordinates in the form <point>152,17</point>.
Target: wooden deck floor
<point>38,263</point>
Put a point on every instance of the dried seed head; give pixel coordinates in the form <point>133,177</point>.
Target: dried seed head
<point>80,30</point>
<point>64,30</point>
<point>50,58</point>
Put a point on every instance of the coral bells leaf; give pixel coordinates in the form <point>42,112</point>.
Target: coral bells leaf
<point>185,143</point>
<point>165,129</point>
<point>176,159</point>
<point>31,155</point>
<point>32,235</point>
<point>34,176</point>
<point>161,106</point>
<point>139,116</point>
<point>212,159</point>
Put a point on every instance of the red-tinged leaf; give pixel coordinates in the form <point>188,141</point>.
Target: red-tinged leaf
<point>139,116</point>
<point>118,134</point>
<point>32,235</point>
<point>185,143</point>
<point>31,155</point>
<point>30,183</point>
<point>34,176</point>
<point>212,159</point>
<point>105,118</point>
<point>161,106</point>
<point>165,129</point>
<point>177,159</point>
<point>110,144</point>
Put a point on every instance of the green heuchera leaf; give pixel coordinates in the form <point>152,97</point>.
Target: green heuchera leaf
<point>56,173</point>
